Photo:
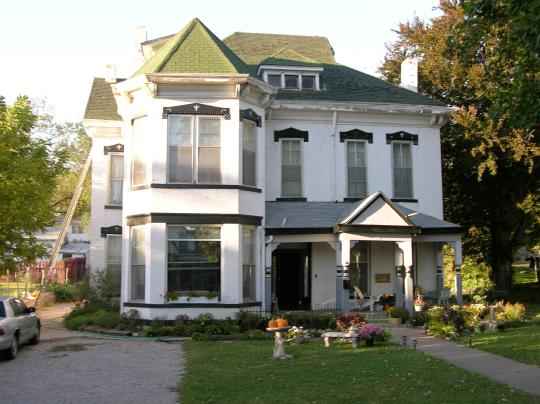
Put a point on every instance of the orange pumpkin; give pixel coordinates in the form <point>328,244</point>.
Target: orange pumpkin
<point>272,324</point>
<point>282,323</point>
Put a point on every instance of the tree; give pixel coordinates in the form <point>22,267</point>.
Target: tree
<point>482,56</point>
<point>29,167</point>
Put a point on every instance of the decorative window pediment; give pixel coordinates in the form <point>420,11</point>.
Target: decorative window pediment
<point>250,115</point>
<point>291,133</point>
<point>403,136</point>
<point>111,230</point>
<point>115,148</point>
<point>356,134</point>
<point>197,109</point>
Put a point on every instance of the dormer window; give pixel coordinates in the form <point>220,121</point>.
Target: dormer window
<point>291,81</point>
<point>308,82</point>
<point>274,80</point>
<point>292,78</point>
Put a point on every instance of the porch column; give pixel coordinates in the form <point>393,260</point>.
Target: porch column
<point>457,263</point>
<point>406,247</point>
<point>398,262</point>
<point>343,252</point>
<point>440,269</point>
<point>267,295</point>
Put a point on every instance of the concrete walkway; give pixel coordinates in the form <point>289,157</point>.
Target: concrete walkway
<point>503,370</point>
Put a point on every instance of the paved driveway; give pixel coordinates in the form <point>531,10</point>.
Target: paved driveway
<point>67,368</point>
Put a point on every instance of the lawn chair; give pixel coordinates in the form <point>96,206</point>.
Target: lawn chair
<point>444,296</point>
<point>361,301</point>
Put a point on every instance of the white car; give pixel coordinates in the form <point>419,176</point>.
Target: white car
<point>18,325</point>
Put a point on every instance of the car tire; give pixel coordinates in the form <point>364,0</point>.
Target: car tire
<point>13,350</point>
<point>35,339</point>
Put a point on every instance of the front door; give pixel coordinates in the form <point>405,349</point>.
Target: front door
<point>292,279</point>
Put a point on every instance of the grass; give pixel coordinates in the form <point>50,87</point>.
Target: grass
<point>243,372</point>
<point>522,275</point>
<point>15,289</point>
<point>521,344</point>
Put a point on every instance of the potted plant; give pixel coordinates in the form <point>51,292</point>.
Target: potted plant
<point>397,315</point>
<point>370,332</point>
<point>419,303</point>
<point>172,296</point>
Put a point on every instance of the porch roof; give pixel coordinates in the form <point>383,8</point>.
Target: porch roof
<point>322,217</point>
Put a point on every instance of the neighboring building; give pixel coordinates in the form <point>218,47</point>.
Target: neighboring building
<point>231,174</point>
<point>76,243</point>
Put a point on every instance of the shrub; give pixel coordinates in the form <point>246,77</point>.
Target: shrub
<point>510,312</point>
<point>368,331</point>
<point>347,320</point>
<point>252,321</point>
<point>62,293</point>
<point>398,312</point>
<point>310,320</point>
<point>419,318</point>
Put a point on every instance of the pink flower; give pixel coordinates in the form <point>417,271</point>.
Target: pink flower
<point>370,331</point>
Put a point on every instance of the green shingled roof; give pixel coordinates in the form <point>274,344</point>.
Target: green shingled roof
<point>101,103</point>
<point>195,49</point>
<point>255,48</point>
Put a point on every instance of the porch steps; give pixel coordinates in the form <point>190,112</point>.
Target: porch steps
<point>376,317</point>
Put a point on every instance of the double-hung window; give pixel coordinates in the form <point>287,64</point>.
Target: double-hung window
<point>249,154</point>
<point>291,167</point>
<point>138,151</point>
<point>194,149</point>
<point>248,263</point>
<point>194,259</point>
<point>138,266</point>
<point>113,264</point>
<point>116,179</point>
<point>356,169</point>
<point>402,167</point>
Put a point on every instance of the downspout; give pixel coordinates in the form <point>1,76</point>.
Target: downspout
<point>334,153</point>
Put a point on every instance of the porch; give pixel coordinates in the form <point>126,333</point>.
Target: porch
<point>365,251</point>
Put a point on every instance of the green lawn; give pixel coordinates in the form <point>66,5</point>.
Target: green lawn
<point>522,275</point>
<point>15,288</point>
<point>521,344</point>
<point>243,372</point>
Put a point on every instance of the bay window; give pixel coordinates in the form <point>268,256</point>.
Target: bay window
<point>138,265</point>
<point>402,168</point>
<point>194,149</point>
<point>194,259</point>
<point>116,179</point>
<point>248,263</point>
<point>249,154</point>
<point>113,264</point>
<point>291,168</point>
<point>139,151</point>
<point>356,169</point>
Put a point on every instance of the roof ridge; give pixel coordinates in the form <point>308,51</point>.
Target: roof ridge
<point>183,34</point>
<point>273,34</point>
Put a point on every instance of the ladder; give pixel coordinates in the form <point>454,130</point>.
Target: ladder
<point>67,221</point>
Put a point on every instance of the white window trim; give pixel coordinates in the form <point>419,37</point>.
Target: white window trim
<point>245,122</point>
<point>130,266</point>
<point>346,159</point>
<point>195,149</point>
<point>147,174</point>
<point>107,248</point>
<point>255,259</point>
<point>299,73</point>
<point>109,178</point>
<point>302,173</point>
<point>412,169</point>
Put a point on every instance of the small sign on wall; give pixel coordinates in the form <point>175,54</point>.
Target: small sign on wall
<point>382,278</point>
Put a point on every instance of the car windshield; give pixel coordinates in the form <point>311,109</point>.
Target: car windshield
<point>2,311</point>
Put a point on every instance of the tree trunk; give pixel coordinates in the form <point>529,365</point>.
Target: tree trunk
<point>502,275</point>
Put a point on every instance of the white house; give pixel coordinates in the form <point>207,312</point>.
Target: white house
<point>233,175</point>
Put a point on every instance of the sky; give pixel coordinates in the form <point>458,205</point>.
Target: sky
<point>51,49</point>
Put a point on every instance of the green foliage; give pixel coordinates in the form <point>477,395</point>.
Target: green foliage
<point>310,320</point>
<point>510,311</point>
<point>63,292</point>
<point>93,315</point>
<point>482,57</point>
<point>398,312</point>
<point>29,167</point>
